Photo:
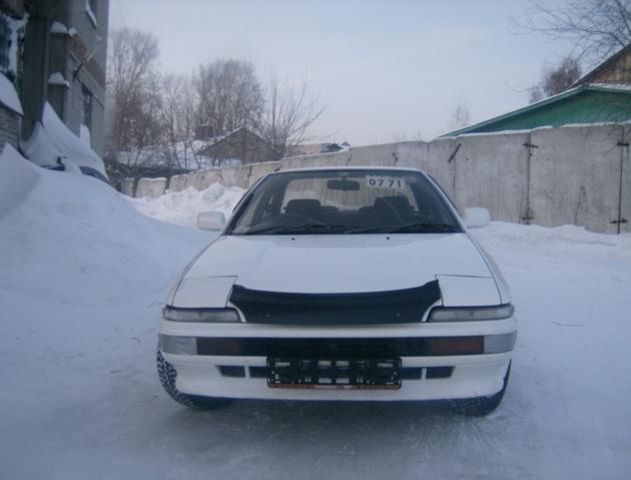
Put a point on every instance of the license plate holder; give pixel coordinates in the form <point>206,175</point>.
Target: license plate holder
<point>334,374</point>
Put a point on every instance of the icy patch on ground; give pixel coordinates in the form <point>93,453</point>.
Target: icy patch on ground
<point>182,207</point>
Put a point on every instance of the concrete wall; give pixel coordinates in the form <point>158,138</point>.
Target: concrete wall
<point>625,181</point>
<point>550,176</point>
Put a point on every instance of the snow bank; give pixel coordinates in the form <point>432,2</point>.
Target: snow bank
<point>52,140</point>
<point>17,178</point>
<point>182,207</point>
<point>84,134</point>
<point>76,241</point>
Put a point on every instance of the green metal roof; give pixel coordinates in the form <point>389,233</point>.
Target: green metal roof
<point>585,104</point>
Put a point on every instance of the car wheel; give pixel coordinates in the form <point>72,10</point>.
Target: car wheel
<point>480,406</point>
<point>167,375</point>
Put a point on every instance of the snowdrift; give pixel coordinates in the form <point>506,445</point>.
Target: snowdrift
<point>52,140</point>
<point>182,207</point>
<point>17,178</point>
<point>69,238</point>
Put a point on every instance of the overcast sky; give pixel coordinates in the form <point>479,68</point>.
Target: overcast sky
<point>384,70</point>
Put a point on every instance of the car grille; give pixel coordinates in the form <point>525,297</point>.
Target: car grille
<point>396,306</point>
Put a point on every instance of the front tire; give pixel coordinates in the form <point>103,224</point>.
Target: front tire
<point>168,374</point>
<point>481,406</point>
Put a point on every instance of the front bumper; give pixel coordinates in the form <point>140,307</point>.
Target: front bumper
<point>229,360</point>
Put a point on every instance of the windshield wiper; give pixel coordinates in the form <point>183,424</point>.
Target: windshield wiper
<point>411,228</point>
<point>426,228</point>
<point>296,229</point>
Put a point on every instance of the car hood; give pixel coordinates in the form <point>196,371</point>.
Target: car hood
<point>338,264</point>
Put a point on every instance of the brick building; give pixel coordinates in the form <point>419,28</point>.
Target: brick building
<point>55,52</point>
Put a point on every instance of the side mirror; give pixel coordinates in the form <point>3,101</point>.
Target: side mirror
<point>475,217</point>
<point>211,220</point>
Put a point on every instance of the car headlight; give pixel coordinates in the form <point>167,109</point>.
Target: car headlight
<point>201,315</point>
<point>467,314</point>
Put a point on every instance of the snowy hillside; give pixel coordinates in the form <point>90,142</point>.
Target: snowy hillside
<point>82,278</point>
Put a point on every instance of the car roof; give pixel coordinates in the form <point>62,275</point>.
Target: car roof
<point>346,168</point>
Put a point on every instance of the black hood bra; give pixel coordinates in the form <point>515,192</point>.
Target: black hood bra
<point>394,306</point>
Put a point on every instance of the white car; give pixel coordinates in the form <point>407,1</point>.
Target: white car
<point>340,284</point>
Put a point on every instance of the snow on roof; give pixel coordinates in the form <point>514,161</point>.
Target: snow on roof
<point>186,155</point>
<point>625,87</point>
<point>52,141</point>
<point>58,79</point>
<point>8,96</point>
<point>58,28</point>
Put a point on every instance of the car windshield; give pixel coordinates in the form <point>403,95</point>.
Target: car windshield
<point>344,202</point>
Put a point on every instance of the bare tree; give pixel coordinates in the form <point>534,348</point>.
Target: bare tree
<point>459,115</point>
<point>230,95</point>
<point>289,114</point>
<point>596,28</point>
<point>403,137</point>
<point>133,100</point>
<point>560,78</point>
<point>536,94</point>
<point>177,117</point>
<point>556,79</point>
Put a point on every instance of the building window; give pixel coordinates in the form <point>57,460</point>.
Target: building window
<point>5,43</point>
<point>87,107</point>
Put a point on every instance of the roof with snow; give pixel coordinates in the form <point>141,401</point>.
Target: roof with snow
<point>585,104</point>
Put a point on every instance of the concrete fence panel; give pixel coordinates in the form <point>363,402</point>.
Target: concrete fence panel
<point>375,155</point>
<point>575,177</point>
<point>233,176</point>
<point>625,183</point>
<point>151,187</point>
<point>180,182</point>
<point>257,170</point>
<point>408,154</point>
<point>319,160</point>
<point>491,172</point>
<point>127,186</point>
<point>434,158</point>
<point>572,175</point>
<point>203,179</point>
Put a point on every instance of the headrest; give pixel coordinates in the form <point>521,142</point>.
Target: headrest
<point>396,202</point>
<point>303,205</point>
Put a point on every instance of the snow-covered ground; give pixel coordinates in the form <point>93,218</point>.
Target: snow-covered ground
<point>82,277</point>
